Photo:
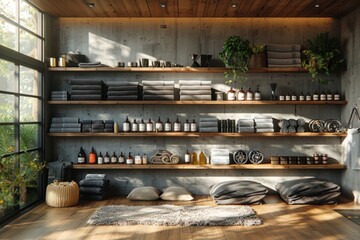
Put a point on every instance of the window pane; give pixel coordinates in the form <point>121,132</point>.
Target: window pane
<point>7,76</point>
<point>29,109</point>
<point>30,17</point>
<point>29,136</point>
<point>7,108</point>
<point>8,8</point>
<point>7,142</point>
<point>7,35</point>
<point>29,81</point>
<point>30,45</point>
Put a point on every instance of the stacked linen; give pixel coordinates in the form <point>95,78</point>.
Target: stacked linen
<point>238,192</point>
<point>95,187</point>
<point>220,156</point>
<point>283,56</point>
<point>109,126</point>
<point>263,125</point>
<point>195,90</point>
<point>86,89</point>
<point>59,95</point>
<point>86,125</point>
<point>208,124</point>
<point>158,90</point>
<point>122,90</point>
<point>246,125</point>
<point>65,124</point>
<point>97,126</point>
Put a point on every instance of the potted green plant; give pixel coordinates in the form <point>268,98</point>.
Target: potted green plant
<point>235,55</point>
<point>323,57</point>
<point>258,57</point>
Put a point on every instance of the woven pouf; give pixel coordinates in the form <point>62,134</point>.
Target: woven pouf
<point>62,194</point>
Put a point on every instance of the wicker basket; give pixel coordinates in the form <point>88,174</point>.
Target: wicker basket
<point>62,194</point>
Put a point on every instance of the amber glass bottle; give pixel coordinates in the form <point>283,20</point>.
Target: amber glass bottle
<point>202,158</point>
<point>194,159</point>
<point>92,156</point>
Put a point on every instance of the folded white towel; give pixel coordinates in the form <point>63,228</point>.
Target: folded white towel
<point>219,152</point>
<point>220,160</point>
<point>194,82</point>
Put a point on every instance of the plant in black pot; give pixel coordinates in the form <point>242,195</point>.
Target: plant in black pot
<point>235,55</point>
<point>323,58</point>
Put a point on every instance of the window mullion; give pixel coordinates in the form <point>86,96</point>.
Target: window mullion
<point>17,108</point>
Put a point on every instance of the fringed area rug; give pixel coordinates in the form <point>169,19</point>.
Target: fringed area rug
<point>170,215</point>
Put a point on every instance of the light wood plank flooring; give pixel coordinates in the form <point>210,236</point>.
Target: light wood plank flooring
<point>281,222</point>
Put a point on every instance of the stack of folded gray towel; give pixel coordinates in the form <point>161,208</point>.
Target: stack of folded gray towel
<point>195,90</point>
<point>220,156</point>
<point>122,90</point>
<point>95,187</point>
<point>283,56</point>
<point>158,90</point>
<point>65,124</point>
<point>208,124</point>
<point>264,125</point>
<point>90,65</point>
<point>109,126</point>
<point>59,95</point>
<point>97,126</point>
<point>86,125</point>
<point>86,89</point>
<point>246,125</point>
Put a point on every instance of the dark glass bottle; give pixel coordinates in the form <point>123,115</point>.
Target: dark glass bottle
<point>121,158</point>
<point>142,126</point>
<point>177,125</point>
<point>100,159</point>
<point>249,95</point>
<point>159,126</point>
<point>113,158</point>
<point>168,127</point>
<point>126,125</point>
<point>130,159</point>
<point>187,126</point>
<point>134,126</point>
<point>81,159</point>
<point>107,158</point>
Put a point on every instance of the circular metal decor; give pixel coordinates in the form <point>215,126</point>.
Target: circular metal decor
<point>333,125</point>
<point>240,157</point>
<point>255,156</point>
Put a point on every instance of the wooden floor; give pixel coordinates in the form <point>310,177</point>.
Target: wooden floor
<point>281,222</point>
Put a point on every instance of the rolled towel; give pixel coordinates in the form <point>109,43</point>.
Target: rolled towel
<point>95,176</point>
<point>283,55</point>
<point>283,47</point>
<point>86,87</point>
<point>158,83</point>
<point>94,182</point>
<point>195,92</point>
<point>64,120</point>
<point>195,98</point>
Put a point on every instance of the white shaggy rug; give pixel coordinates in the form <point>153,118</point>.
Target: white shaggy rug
<point>170,215</point>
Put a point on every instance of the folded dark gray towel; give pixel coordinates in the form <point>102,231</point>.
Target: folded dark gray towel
<point>86,97</point>
<point>96,125</point>
<point>97,130</point>
<point>283,47</point>
<point>167,87</point>
<point>95,197</point>
<point>86,87</point>
<point>86,121</point>
<point>158,97</point>
<point>157,83</point>
<point>121,83</point>
<point>94,182</point>
<point>97,121</point>
<point>195,97</point>
<point>122,88</point>
<point>195,92</point>
<point>285,61</point>
<point>86,82</point>
<point>65,98</point>
<point>65,125</point>
<point>208,119</point>
<point>86,129</point>
<point>85,92</point>
<point>61,93</point>
<point>194,82</point>
<point>93,190</point>
<point>195,87</point>
<point>109,121</point>
<point>284,66</point>
<point>158,92</point>
<point>129,97</point>
<point>208,124</point>
<point>121,93</point>
<point>283,55</point>
<point>86,125</point>
<point>64,120</point>
<point>95,176</point>
<point>209,129</point>
<point>64,130</point>
<point>109,130</point>
<point>109,125</point>
<point>91,65</point>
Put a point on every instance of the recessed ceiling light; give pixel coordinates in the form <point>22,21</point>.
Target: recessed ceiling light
<point>162,5</point>
<point>91,5</point>
<point>234,5</point>
<point>317,5</point>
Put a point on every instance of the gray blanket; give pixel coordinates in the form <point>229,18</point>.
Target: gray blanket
<point>309,191</point>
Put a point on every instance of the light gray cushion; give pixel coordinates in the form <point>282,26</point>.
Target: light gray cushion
<point>144,194</point>
<point>176,194</point>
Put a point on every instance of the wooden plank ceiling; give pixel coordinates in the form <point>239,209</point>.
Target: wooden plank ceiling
<point>197,8</point>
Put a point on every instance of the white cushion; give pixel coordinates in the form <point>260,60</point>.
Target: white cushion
<point>144,193</point>
<point>176,194</point>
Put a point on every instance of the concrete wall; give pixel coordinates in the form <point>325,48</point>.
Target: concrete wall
<point>113,40</point>
<point>350,34</point>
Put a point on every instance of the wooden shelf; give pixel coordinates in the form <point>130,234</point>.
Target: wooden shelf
<point>194,167</point>
<point>197,134</point>
<point>197,102</point>
<point>171,69</point>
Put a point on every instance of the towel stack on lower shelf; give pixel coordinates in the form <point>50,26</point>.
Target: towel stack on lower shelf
<point>122,90</point>
<point>208,124</point>
<point>86,89</point>
<point>65,124</point>
<point>109,126</point>
<point>195,90</point>
<point>220,156</point>
<point>59,95</point>
<point>263,125</point>
<point>95,187</point>
<point>158,90</point>
<point>283,56</point>
<point>246,125</point>
<point>97,126</point>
